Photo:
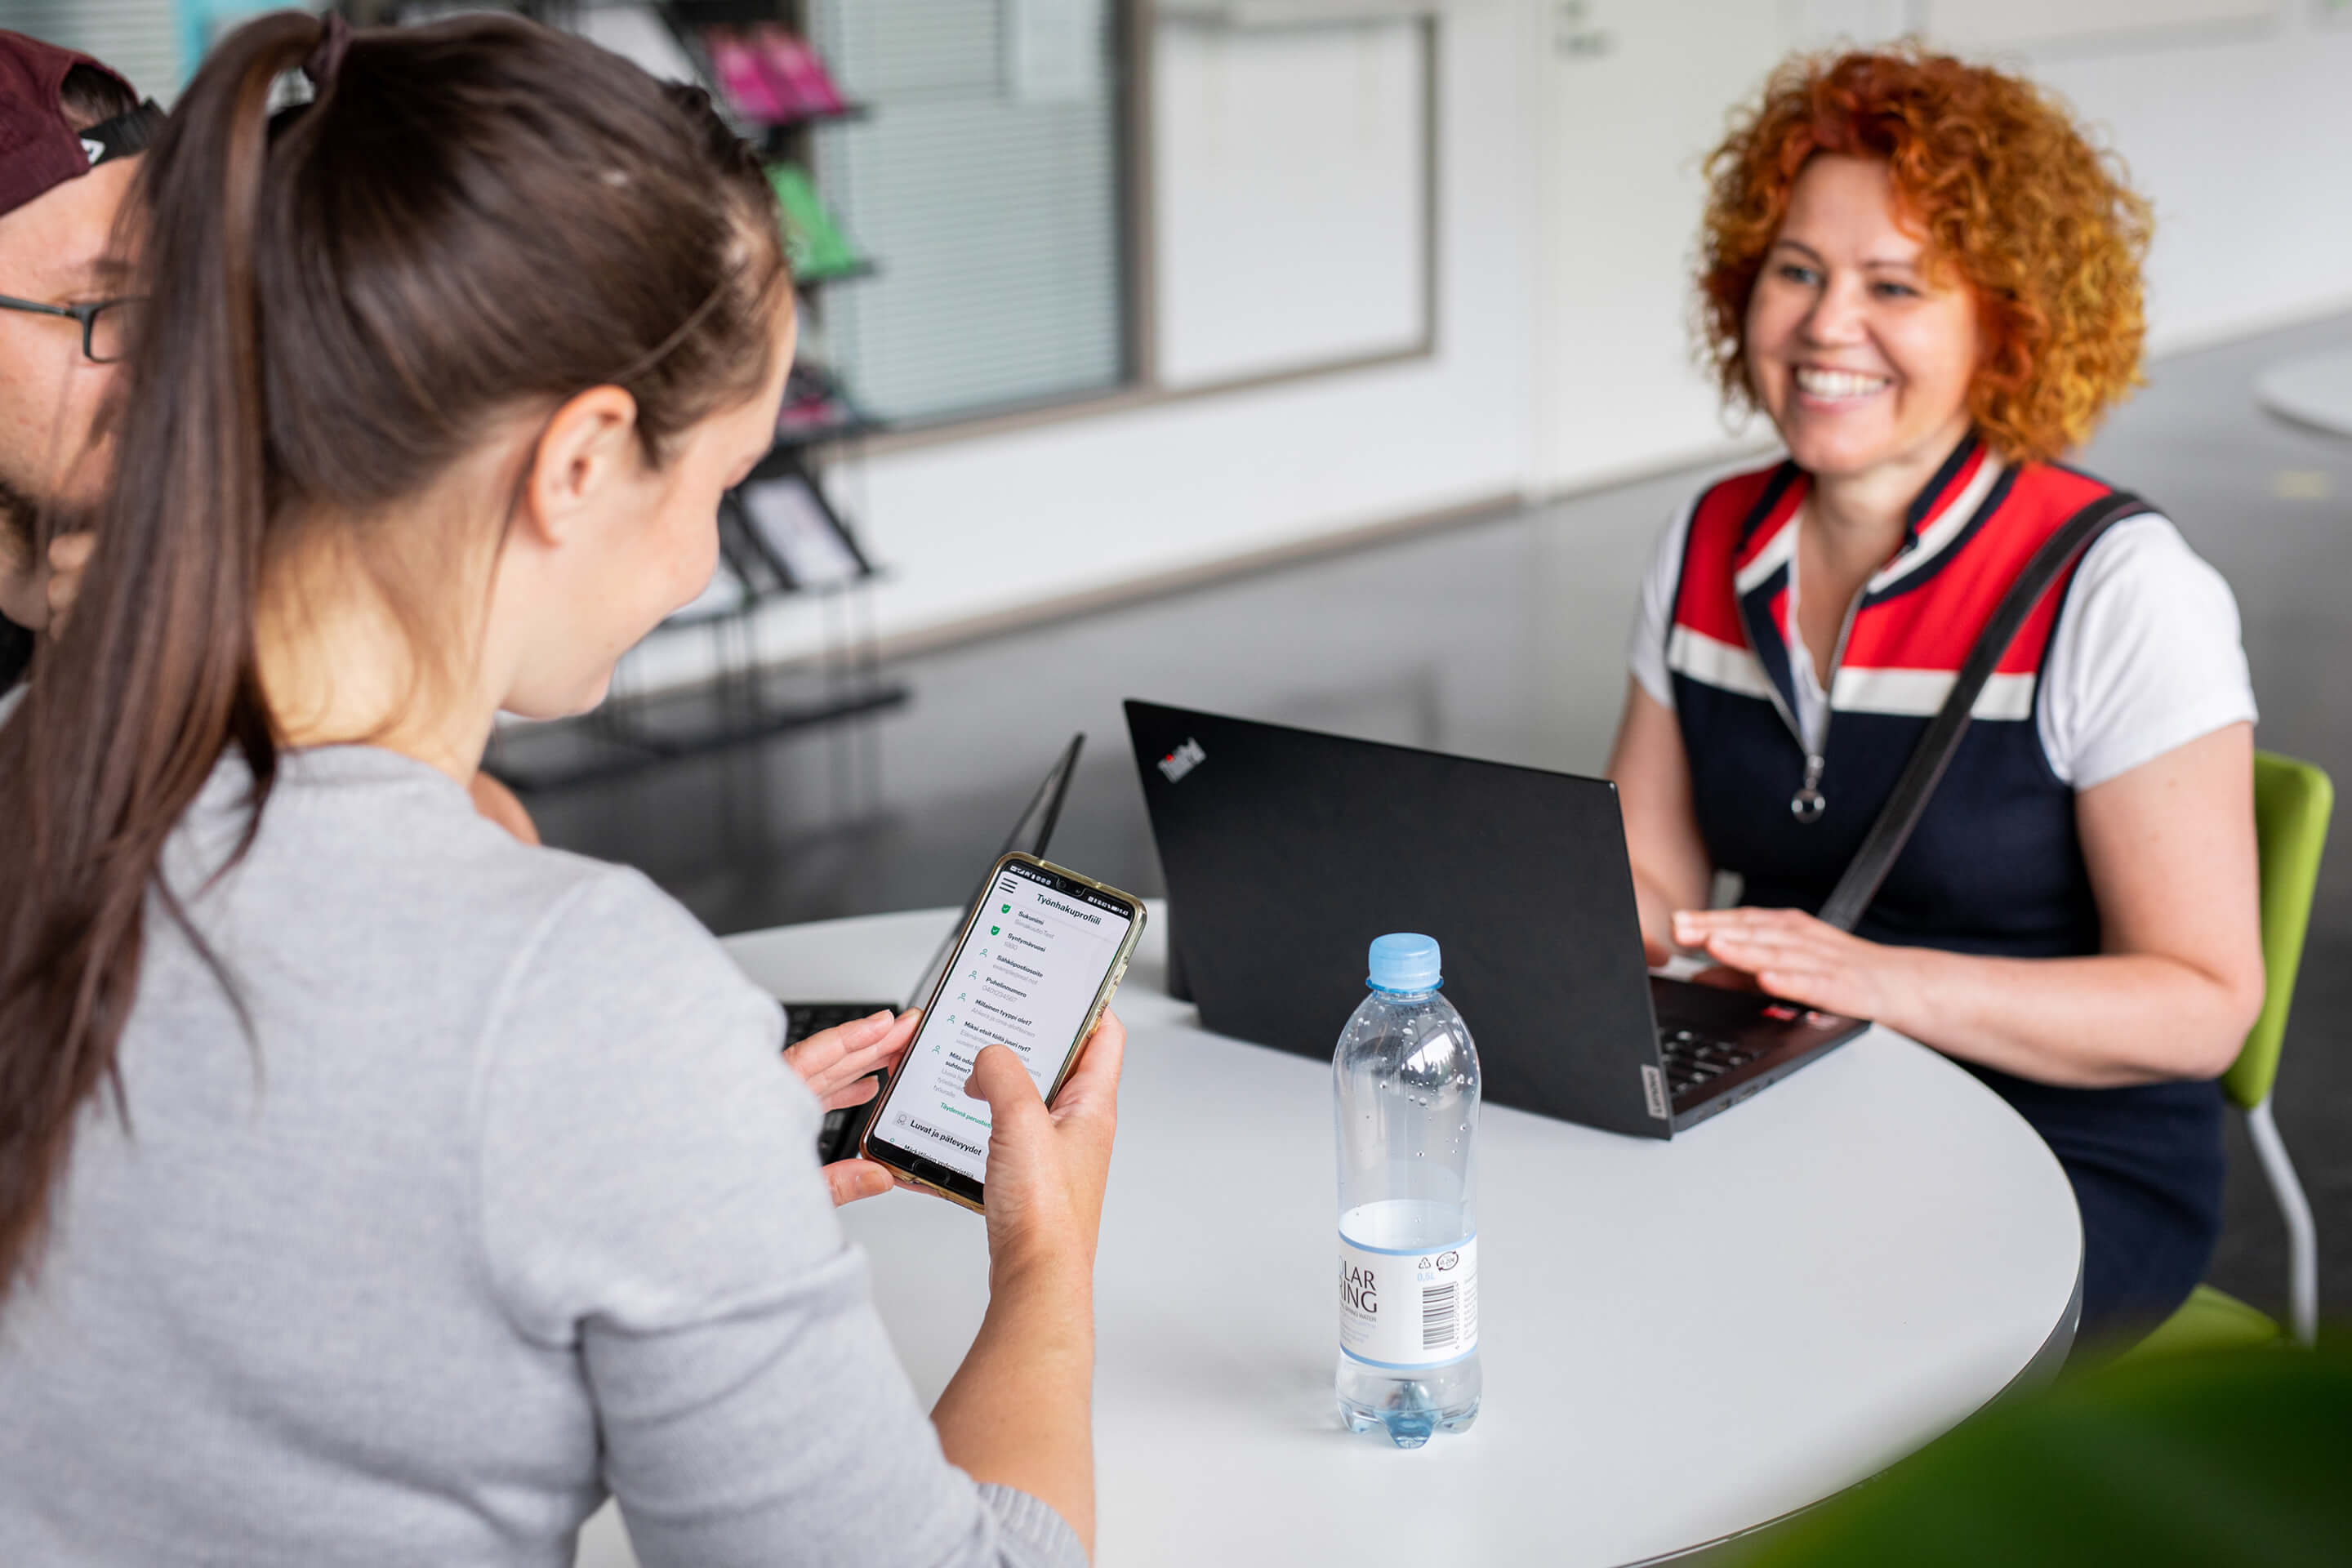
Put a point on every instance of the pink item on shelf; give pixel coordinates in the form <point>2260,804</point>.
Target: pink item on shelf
<point>817,411</point>
<point>760,42</point>
<point>795,69</point>
<point>742,75</point>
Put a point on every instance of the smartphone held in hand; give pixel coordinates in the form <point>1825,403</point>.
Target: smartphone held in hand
<point>1036,964</point>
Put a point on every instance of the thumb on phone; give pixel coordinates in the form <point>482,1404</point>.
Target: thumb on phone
<point>998,1077</point>
<point>1032,1219</point>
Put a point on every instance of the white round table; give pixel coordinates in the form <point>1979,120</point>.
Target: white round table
<point>2314,390</point>
<point>1682,1340</point>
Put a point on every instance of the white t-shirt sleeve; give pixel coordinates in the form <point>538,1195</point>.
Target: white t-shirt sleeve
<point>2145,656</point>
<point>1646,650</point>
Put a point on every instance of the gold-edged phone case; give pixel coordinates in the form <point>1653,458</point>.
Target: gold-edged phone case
<point>1103,993</point>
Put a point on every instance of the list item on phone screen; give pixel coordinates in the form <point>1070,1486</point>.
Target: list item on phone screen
<point>1027,973</point>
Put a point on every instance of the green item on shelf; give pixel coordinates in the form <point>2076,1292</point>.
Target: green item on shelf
<point>814,243</point>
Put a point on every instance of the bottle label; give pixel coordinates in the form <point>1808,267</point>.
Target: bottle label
<point>1408,1309</point>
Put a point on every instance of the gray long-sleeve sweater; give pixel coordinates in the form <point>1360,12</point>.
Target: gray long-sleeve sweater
<point>507,1203</point>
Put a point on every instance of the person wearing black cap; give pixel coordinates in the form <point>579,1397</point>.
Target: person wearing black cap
<point>70,133</point>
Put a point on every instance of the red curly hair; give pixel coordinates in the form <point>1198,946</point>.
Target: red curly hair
<point>2008,195</point>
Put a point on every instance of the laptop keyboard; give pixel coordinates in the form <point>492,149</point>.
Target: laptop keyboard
<point>1694,1060</point>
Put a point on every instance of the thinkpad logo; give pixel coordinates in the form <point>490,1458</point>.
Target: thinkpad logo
<point>1183,759</point>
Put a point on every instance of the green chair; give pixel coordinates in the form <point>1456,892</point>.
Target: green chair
<point>2292,803</point>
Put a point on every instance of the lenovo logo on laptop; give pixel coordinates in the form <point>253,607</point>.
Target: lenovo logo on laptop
<point>1654,1093</point>
<point>1183,759</point>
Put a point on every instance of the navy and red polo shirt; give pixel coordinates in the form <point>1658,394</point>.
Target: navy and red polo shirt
<point>1995,867</point>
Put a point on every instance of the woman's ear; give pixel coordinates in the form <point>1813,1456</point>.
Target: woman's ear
<point>588,448</point>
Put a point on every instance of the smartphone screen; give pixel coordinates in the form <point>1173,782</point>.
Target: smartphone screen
<point>1026,974</point>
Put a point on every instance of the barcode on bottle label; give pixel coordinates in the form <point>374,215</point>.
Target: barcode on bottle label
<point>1437,1318</point>
<point>1408,1308</point>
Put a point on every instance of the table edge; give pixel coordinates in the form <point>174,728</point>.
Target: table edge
<point>2039,1372</point>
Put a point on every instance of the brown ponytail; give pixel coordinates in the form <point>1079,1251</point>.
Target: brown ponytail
<point>472,218</point>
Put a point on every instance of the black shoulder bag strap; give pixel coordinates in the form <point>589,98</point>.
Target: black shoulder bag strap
<point>1903,809</point>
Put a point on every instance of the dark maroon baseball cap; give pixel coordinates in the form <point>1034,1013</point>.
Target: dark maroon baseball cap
<point>40,148</point>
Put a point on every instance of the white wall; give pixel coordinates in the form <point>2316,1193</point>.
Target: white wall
<point>1633,94</point>
<point>1570,133</point>
<point>2238,136</point>
<point>2244,145</point>
<point>1298,161</point>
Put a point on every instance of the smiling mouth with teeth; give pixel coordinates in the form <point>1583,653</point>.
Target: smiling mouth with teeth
<point>1838,383</point>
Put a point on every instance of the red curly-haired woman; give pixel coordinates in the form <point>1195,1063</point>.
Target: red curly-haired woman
<point>1927,278</point>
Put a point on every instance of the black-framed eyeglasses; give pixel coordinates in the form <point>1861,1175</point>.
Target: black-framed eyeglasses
<point>105,325</point>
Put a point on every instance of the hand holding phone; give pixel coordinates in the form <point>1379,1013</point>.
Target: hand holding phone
<point>1036,1351</point>
<point>1035,963</point>
<point>1047,1165</point>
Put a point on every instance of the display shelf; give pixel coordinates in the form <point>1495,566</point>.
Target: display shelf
<point>840,423</point>
<point>817,412</point>
<point>789,537</point>
<point>775,135</point>
<point>722,13</point>
<point>864,266</point>
<point>781,535</point>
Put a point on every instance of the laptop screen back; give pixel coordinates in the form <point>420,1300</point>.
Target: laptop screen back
<point>1287,852</point>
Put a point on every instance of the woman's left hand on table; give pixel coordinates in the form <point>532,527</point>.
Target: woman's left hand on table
<point>1794,957</point>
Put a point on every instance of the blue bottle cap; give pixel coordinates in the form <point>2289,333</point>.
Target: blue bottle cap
<point>1405,961</point>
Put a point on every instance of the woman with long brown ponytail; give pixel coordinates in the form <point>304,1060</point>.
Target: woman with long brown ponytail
<point>375,1187</point>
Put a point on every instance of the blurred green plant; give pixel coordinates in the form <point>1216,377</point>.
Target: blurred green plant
<point>2220,1458</point>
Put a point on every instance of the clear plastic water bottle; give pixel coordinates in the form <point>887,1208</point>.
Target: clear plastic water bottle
<point>1404,1087</point>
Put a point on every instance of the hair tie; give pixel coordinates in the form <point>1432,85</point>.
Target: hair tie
<point>326,62</point>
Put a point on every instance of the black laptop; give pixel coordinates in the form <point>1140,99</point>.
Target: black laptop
<point>838,1135</point>
<point>1287,852</point>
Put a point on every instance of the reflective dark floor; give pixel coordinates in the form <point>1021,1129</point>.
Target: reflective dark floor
<point>1501,639</point>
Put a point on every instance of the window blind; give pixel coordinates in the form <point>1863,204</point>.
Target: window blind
<point>140,39</point>
<point>986,185</point>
